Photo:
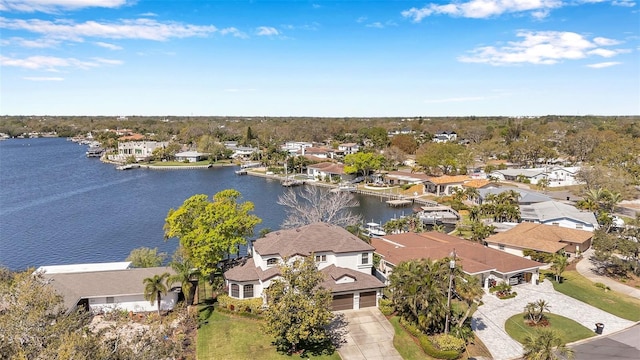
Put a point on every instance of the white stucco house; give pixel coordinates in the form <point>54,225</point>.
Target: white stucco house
<point>559,214</point>
<point>557,175</point>
<point>332,170</point>
<point>345,260</point>
<point>445,136</point>
<point>104,287</point>
<point>141,150</point>
<point>190,156</point>
<point>349,148</point>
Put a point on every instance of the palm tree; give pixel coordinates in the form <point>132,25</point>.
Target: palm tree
<point>472,194</point>
<point>560,263</point>
<point>185,272</point>
<point>155,287</point>
<point>545,344</point>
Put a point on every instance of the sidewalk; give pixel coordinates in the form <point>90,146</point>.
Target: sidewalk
<point>585,268</point>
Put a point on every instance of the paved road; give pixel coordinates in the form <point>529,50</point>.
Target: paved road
<point>585,268</point>
<point>369,336</point>
<point>488,322</point>
<point>621,345</point>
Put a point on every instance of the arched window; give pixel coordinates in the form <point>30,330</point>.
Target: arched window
<point>235,291</point>
<point>247,291</point>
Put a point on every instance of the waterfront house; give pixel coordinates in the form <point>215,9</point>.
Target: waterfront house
<point>324,170</point>
<point>540,237</point>
<point>190,156</point>
<point>141,150</point>
<point>445,184</point>
<point>344,259</point>
<point>526,197</point>
<point>475,259</point>
<point>104,287</point>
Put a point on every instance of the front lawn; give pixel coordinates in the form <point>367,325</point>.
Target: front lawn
<point>583,289</point>
<point>227,336</point>
<point>568,329</point>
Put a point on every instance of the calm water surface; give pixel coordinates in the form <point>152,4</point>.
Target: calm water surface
<point>59,207</point>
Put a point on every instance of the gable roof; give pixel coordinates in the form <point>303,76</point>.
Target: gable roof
<point>526,196</point>
<point>551,210</point>
<point>476,183</point>
<point>475,258</point>
<point>362,281</point>
<point>313,238</point>
<point>407,176</point>
<point>540,237</point>
<point>77,285</point>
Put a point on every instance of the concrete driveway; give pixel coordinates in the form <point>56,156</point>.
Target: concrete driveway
<point>368,336</point>
<point>488,321</point>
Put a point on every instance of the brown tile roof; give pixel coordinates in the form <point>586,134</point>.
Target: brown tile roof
<point>448,179</point>
<point>474,257</point>
<point>331,168</point>
<point>248,271</point>
<point>540,237</point>
<point>313,238</point>
<point>408,174</point>
<point>74,286</point>
<point>131,137</point>
<point>476,183</point>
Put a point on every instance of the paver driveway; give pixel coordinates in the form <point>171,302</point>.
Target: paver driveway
<point>369,336</point>
<point>488,322</point>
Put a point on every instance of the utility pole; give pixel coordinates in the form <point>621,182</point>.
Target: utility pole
<point>452,266</point>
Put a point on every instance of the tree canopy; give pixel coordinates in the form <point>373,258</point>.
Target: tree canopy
<point>298,315</point>
<point>314,204</point>
<point>144,257</point>
<point>362,162</point>
<point>210,230</point>
<point>447,158</point>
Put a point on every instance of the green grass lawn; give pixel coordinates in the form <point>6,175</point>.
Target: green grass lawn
<point>226,336</point>
<point>583,289</point>
<point>404,343</point>
<point>568,329</point>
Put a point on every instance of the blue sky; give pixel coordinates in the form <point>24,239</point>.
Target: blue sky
<point>320,58</point>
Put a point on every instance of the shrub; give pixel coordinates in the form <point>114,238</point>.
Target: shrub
<point>253,305</point>
<point>602,286</point>
<point>386,306</point>
<point>446,342</point>
<point>430,350</point>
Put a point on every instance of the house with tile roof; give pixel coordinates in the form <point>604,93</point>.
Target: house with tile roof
<point>332,170</point>
<point>445,184</point>
<point>540,237</point>
<point>476,260</point>
<point>106,287</point>
<point>344,259</point>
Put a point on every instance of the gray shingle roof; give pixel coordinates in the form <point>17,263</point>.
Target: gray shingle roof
<point>75,286</point>
<point>549,210</point>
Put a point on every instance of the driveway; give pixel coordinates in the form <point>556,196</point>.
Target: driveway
<point>488,321</point>
<point>369,336</point>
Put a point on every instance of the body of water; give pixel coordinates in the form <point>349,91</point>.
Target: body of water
<point>59,207</point>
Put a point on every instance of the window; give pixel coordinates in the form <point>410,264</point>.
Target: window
<point>110,300</point>
<point>578,226</point>
<point>555,224</point>
<point>365,258</point>
<point>272,262</point>
<point>235,290</point>
<point>247,291</point>
<point>320,258</point>
<point>501,247</point>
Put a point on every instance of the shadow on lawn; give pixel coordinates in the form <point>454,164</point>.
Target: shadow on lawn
<point>205,312</point>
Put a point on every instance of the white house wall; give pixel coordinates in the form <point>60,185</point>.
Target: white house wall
<point>507,249</point>
<point>568,223</point>
<point>135,303</point>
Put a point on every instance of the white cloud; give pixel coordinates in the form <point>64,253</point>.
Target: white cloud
<point>36,44</point>
<point>626,3</point>
<point>147,29</point>
<point>604,64</point>
<point>544,47</point>
<point>605,42</point>
<point>40,78</point>
<point>267,31</point>
<point>149,14</point>
<point>361,19</point>
<point>108,45</point>
<point>55,5</point>
<point>52,63</point>
<point>376,24</point>
<point>480,9</point>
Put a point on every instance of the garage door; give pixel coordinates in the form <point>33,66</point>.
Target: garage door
<point>367,299</point>
<point>342,302</point>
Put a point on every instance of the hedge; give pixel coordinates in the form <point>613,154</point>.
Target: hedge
<point>240,305</point>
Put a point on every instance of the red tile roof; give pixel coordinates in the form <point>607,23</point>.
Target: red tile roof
<point>474,257</point>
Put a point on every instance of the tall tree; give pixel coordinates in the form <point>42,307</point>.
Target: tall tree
<point>210,230</point>
<point>144,257</point>
<point>545,344</point>
<point>298,314</point>
<point>447,158</point>
<point>155,287</point>
<point>185,274</point>
<point>559,265</point>
<point>362,163</point>
<point>314,204</point>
